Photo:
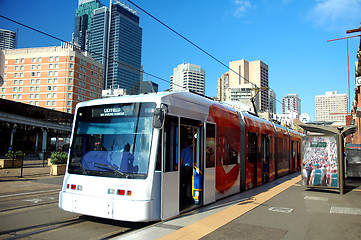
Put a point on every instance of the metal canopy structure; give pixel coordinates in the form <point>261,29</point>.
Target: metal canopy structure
<point>341,132</point>
<point>344,131</point>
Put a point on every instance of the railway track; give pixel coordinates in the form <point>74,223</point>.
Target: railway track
<point>35,215</point>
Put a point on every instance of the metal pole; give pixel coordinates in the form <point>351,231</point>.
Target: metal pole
<point>341,162</point>
<point>348,72</point>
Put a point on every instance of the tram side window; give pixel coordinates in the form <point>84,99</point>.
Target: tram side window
<point>210,145</point>
<point>170,145</point>
<point>252,147</point>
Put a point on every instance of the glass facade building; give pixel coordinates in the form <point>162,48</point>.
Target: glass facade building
<point>7,39</point>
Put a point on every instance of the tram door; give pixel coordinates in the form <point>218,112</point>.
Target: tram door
<point>170,178</point>
<point>191,166</point>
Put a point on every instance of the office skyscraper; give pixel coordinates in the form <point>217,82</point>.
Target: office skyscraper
<point>115,40</point>
<point>7,39</point>
<point>83,20</point>
<point>124,49</point>
<point>188,76</point>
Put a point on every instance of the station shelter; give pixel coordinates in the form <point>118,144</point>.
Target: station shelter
<point>34,130</point>
<point>324,145</point>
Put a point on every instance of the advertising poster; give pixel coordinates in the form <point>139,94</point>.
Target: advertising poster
<point>319,161</point>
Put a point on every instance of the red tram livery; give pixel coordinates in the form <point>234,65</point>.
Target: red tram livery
<point>129,155</point>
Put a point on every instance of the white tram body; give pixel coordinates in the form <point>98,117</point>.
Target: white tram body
<point>125,156</point>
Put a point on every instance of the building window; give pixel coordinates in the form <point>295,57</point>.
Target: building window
<point>47,103</point>
<point>50,66</point>
<point>37,81</point>
<point>20,89</point>
<point>38,66</point>
<point>37,89</point>
<point>54,95</point>
<point>38,74</point>
<point>15,75</point>
<point>20,96</point>
<point>17,61</point>
<point>49,88</point>
<point>56,65</point>
<point>51,59</point>
<point>69,95</point>
<point>55,88</point>
<point>39,59</point>
<point>37,96</point>
<point>20,82</point>
<point>15,89</point>
<point>68,103</point>
<point>55,73</point>
<point>36,103</point>
<point>33,67</point>
<point>31,89</point>
<point>55,80</point>
<point>71,58</point>
<point>14,96</point>
<point>56,58</point>
<point>21,75</point>
<point>32,81</point>
<point>70,80</point>
<point>15,82</point>
<point>33,60</point>
<point>53,103</point>
<point>22,67</point>
<point>48,95</point>
<point>50,73</point>
<point>70,73</point>
<point>16,68</point>
<point>49,80</point>
<point>71,65</point>
<point>31,96</point>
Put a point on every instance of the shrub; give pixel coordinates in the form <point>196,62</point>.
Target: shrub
<point>58,157</point>
<point>18,155</point>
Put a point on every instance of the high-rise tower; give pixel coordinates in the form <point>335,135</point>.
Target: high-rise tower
<point>7,39</point>
<point>83,20</point>
<point>114,39</point>
<point>188,76</point>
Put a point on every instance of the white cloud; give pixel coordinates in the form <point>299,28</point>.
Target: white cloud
<point>332,14</point>
<point>242,7</point>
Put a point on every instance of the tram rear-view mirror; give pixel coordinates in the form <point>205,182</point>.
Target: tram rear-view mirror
<point>158,118</point>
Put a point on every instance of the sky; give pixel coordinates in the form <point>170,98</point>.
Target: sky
<point>290,36</point>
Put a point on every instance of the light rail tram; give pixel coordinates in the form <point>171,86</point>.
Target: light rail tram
<point>126,159</point>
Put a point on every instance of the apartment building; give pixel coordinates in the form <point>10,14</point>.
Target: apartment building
<point>331,107</point>
<point>187,76</point>
<point>56,78</point>
<point>241,82</point>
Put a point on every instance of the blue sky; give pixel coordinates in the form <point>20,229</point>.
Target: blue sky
<point>290,36</point>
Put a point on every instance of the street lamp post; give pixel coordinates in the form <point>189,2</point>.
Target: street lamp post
<point>348,61</point>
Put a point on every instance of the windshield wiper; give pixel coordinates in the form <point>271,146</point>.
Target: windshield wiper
<point>112,168</point>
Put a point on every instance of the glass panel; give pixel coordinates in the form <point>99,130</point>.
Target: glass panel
<point>112,140</point>
<point>210,145</point>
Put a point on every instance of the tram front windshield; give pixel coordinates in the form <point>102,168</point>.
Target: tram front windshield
<point>112,140</point>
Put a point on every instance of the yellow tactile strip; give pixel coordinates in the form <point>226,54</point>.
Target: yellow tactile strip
<point>209,224</point>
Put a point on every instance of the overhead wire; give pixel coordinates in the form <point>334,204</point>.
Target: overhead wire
<point>91,52</point>
<point>192,43</point>
<point>130,66</point>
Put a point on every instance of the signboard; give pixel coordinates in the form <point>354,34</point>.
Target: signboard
<point>320,161</point>
<point>304,118</point>
<point>358,81</point>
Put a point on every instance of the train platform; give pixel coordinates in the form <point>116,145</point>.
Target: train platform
<point>282,209</point>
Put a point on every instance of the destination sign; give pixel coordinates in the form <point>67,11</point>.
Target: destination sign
<point>318,144</point>
<point>108,112</point>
